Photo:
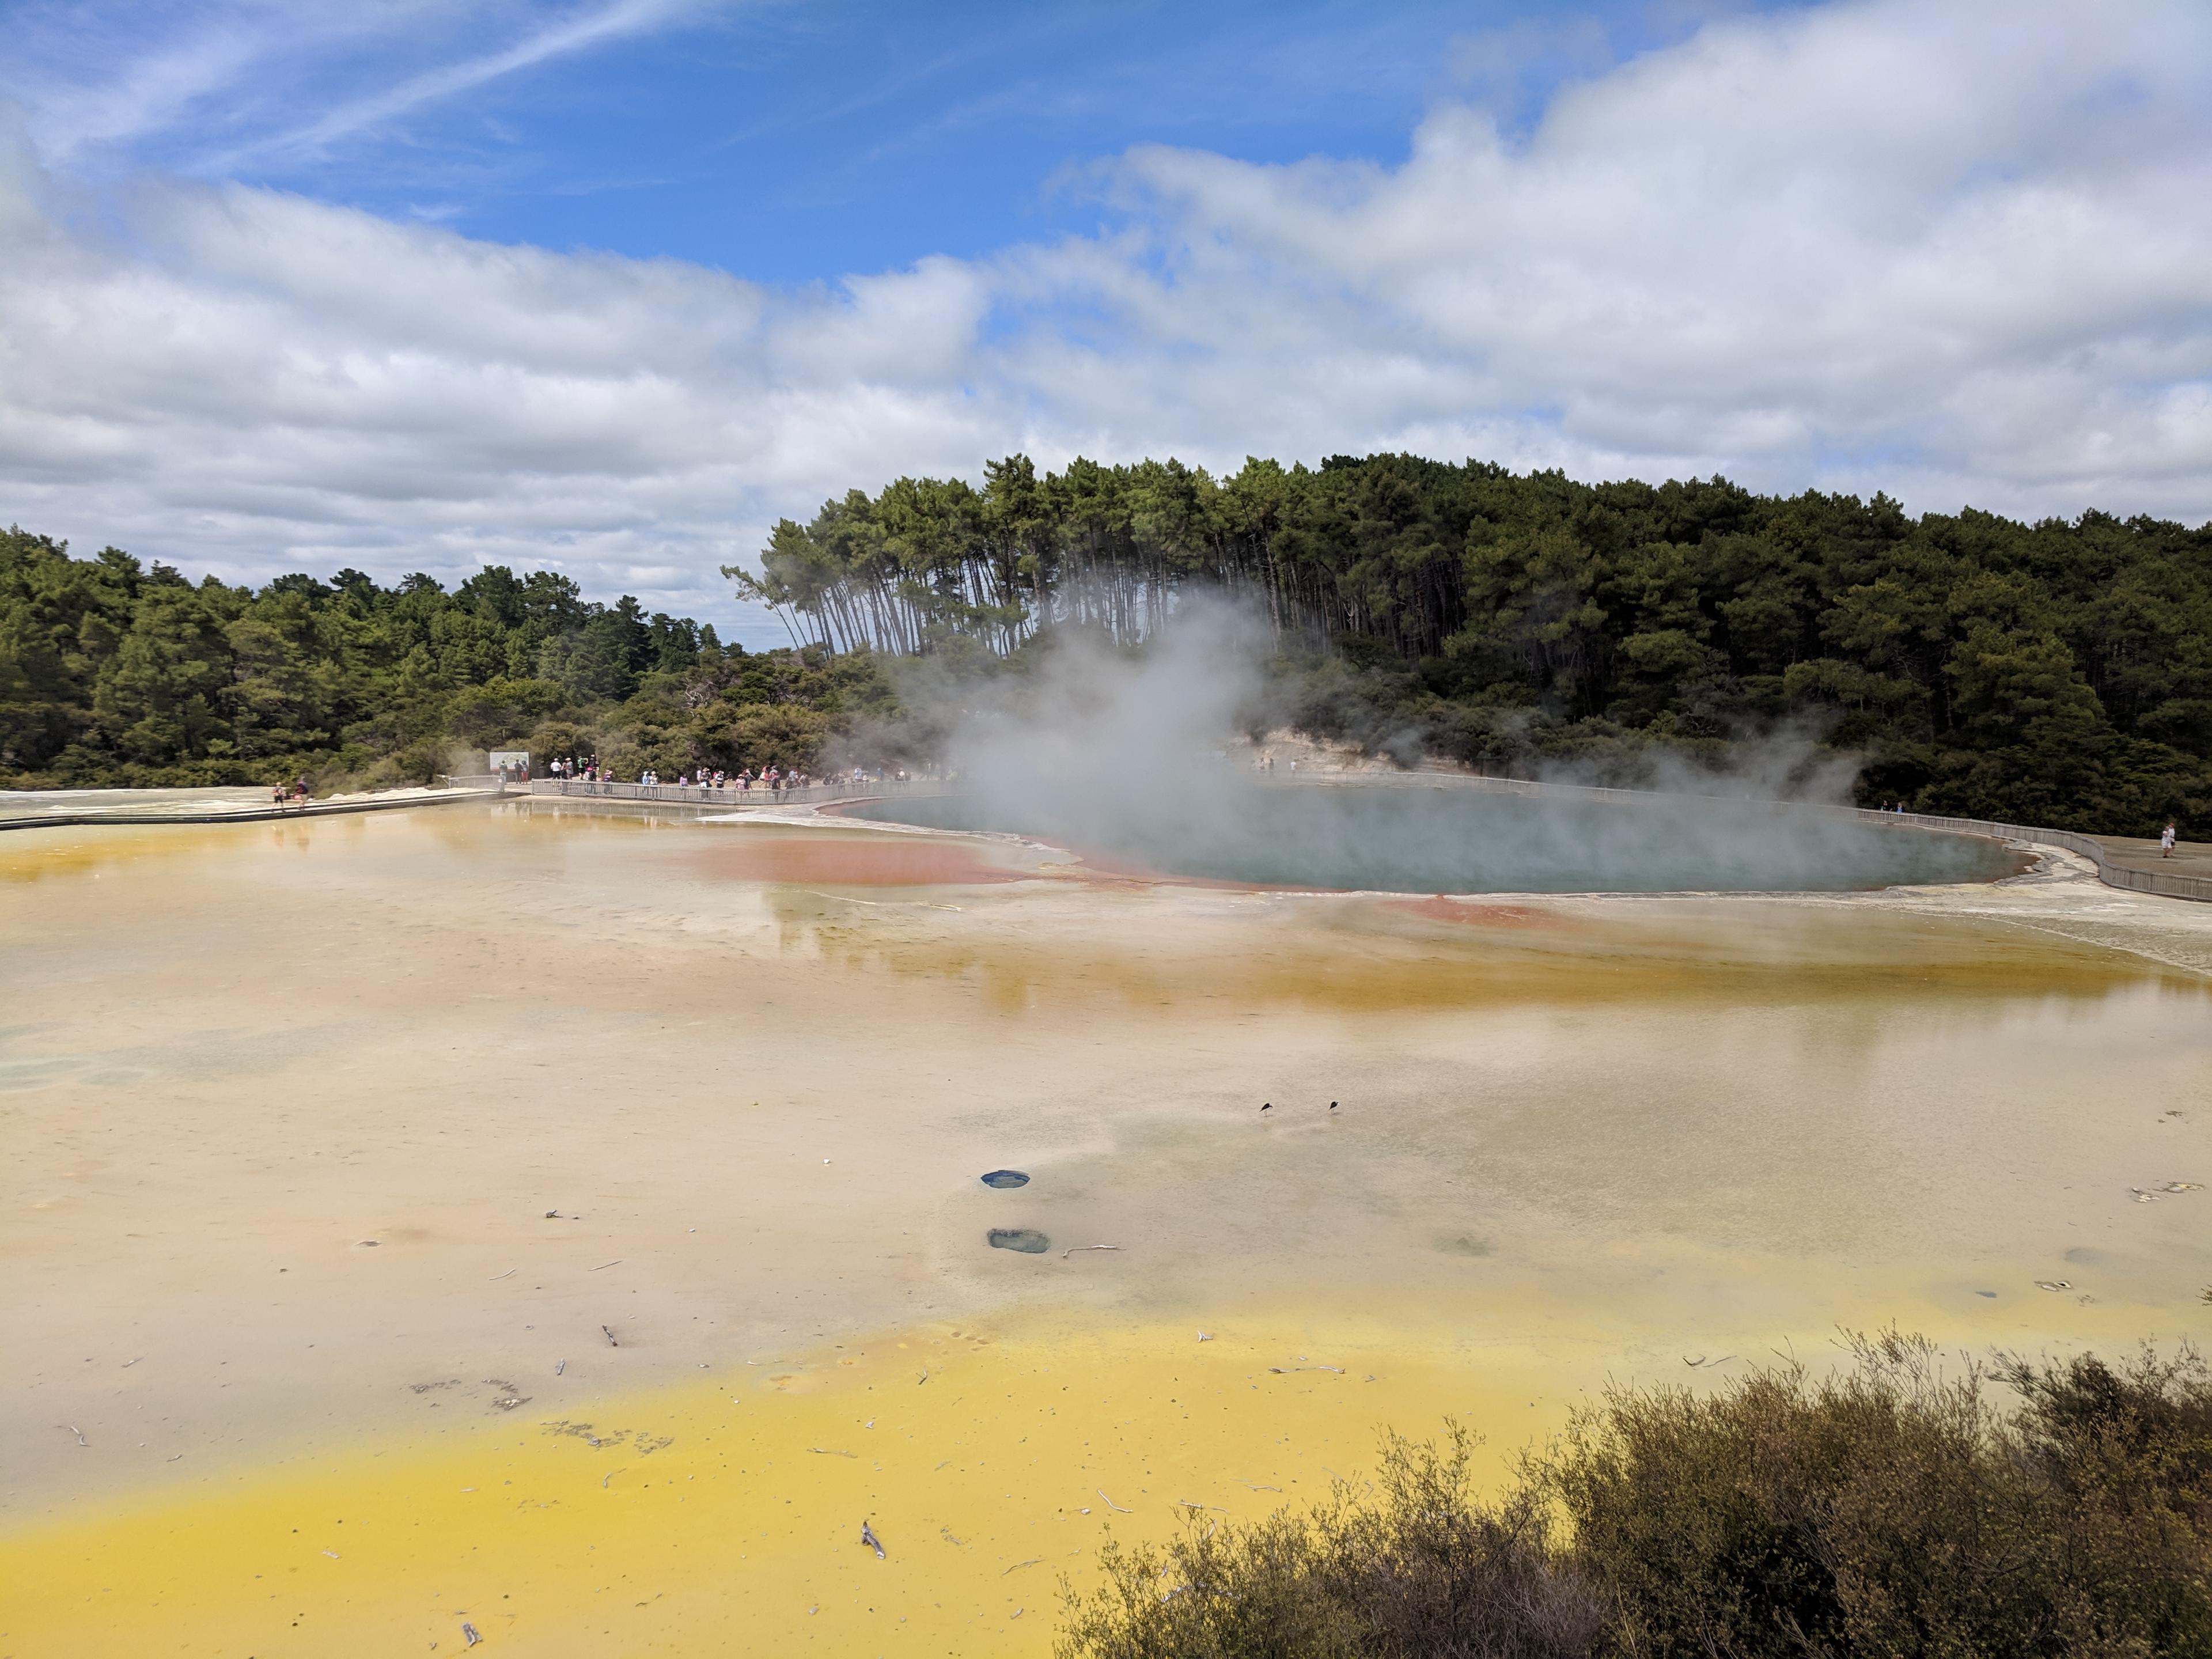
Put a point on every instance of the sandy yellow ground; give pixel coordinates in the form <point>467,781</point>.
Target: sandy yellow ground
<point>725,1517</point>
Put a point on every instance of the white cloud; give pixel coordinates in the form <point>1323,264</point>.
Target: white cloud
<point>1961,252</point>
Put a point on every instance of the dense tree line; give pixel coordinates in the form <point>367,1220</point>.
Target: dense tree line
<point>2056,672</point>
<point>111,672</point>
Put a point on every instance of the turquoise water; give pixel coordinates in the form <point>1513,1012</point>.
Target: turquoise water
<point>1450,840</point>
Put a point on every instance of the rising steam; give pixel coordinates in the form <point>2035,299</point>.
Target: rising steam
<point>1142,759</point>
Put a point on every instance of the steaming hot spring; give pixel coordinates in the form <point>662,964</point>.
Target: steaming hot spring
<point>1445,837</point>
<point>575,1222</point>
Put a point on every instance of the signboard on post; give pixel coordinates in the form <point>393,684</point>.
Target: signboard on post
<point>513,765</point>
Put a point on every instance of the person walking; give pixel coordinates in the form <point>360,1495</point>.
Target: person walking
<point>2165,841</point>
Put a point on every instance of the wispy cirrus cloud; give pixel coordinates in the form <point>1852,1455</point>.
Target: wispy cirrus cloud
<point>218,88</point>
<point>576,32</point>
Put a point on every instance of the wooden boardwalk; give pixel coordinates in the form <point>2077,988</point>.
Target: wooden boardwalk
<point>72,814</point>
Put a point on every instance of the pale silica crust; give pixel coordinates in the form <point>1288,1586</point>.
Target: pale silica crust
<point>360,1167</point>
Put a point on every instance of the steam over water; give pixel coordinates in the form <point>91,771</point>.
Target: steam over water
<point>1451,840</point>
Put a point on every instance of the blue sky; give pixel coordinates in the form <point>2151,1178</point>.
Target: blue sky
<point>784,142</point>
<point>610,286</point>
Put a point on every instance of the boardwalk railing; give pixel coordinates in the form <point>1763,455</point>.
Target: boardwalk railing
<point>693,795</point>
<point>95,815</point>
<point>2112,874</point>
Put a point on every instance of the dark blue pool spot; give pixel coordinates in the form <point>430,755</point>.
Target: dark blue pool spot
<point>1005,1178</point>
<point>1028,1240</point>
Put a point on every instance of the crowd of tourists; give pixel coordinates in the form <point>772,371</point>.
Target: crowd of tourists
<point>743,781</point>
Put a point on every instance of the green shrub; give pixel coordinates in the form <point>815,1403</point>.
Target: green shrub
<point>1414,1568</point>
<point>1891,1510</point>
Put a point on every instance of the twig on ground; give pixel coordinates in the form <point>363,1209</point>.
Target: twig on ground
<point>829,1451</point>
<point>1018,1565</point>
<point>1110,1504</point>
<point>609,1336</point>
<point>1064,1255</point>
<point>616,1262</point>
<point>509,1273</point>
<point>76,1430</point>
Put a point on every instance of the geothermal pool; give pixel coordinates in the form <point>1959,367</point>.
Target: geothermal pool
<point>573,1225</point>
<point>1447,839</point>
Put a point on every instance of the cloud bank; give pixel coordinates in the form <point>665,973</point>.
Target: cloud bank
<point>1961,252</point>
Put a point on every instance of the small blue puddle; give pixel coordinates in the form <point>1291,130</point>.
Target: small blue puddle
<point>1028,1240</point>
<point>1005,1178</point>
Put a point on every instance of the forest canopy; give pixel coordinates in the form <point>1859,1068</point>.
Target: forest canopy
<point>2058,672</point>
<point>114,673</point>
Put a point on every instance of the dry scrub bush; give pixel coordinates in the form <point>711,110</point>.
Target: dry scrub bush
<point>1413,1568</point>
<point>1890,1511</point>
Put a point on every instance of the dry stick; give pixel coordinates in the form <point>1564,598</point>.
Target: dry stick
<point>610,1475</point>
<point>609,1336</point>
<point>76,1430</point>
<point>1110,1504</point>
<point>1031,1562</point>
<point>827,1451</point>
<point>1064,1255</point>
<point>509,1273</point>
<point>616,1262</point>
<point>1256,1486</point>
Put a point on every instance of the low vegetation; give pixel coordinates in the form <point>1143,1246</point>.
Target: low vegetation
<point>2013,1510</point>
